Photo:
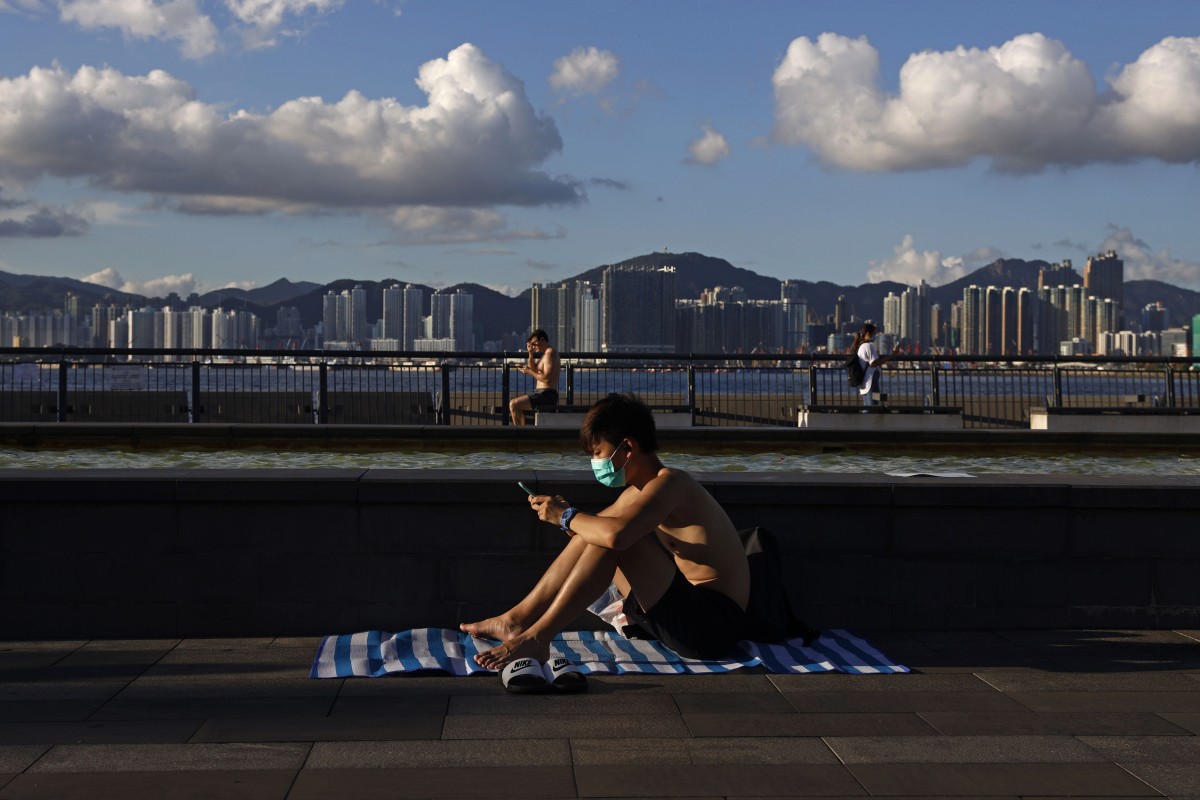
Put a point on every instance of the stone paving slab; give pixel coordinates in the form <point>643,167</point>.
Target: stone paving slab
<point>1109,701</point>
<point>562,726</point>
<point>1134,749</point>
<point>1172,780</point>
<point>1095,723</point>
<point>232,643</point>
<point>410,685</point>
<point>98,732</point>
<point>320,729</point>
<point>555,705</point>
<point>911,682</point>
<point>966,780</point>
<point>902,701</point>
<point>733,703</point>
<point>816,724</point>
<point>59,690</point>
<point>172,757</point>
<point>1189,722</point>
<point>965,749</point>
<point>217,660</point>
<point>718,750</point>
<point>768,780</point>
<point>18,757</point>
<point>202,708</point>
<point>1092,682</point>
<point>424,782</point>
<point>480,754</point>
<point>47,710</point>
<point>419,705</point>
<point>227,785</point>
<point>180,687</point>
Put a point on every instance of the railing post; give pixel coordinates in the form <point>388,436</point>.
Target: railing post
<point>323,394</point>
<point>812,383</point>
<point>1170,394</point>
<point>505,394</point>
<point>935,390</point>
<point>194,405</point>
<point>444,412</point>
<point>691,392</point>
<point>61,413</point>
<point>570,384</point>
<point>1058,393</point>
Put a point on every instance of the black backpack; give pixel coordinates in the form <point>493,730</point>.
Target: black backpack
<point>769,615</point>
<point>855,374</point>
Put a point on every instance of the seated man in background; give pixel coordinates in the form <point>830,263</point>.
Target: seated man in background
<point>665,542</point>
<point>544,366</point>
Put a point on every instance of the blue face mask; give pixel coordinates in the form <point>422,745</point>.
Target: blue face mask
<point>602,468</point>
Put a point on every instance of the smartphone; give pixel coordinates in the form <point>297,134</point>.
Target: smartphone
<point>528,491</point>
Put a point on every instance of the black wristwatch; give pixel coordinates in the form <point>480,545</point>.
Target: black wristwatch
<point>564,521</point>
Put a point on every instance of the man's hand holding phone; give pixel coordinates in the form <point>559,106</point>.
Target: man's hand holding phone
<point>549,509</point>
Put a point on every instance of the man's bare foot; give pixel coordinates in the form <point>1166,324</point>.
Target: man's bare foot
<point>500,629</point>
<point>519,646</point>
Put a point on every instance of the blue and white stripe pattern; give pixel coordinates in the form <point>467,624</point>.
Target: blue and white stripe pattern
<point>375,653</point>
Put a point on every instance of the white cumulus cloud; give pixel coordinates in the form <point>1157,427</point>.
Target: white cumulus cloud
<point>707,149</point>
<point>911,266</point>
<point>1143,262</point>
<point>175,20</point>
<point>1024,105</point>
<point>477,141</point>
<point>258,23</point>
<point>263,20</point>
<point>183,285</point>
<point>586,70</point>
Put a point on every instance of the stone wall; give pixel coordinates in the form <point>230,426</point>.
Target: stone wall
<point>162,553</point>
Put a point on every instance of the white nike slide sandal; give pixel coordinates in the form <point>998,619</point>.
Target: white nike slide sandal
<point>524,676</point>
<point>565,677</point>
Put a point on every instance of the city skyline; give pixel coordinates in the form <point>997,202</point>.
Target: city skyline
<point>234,143</point>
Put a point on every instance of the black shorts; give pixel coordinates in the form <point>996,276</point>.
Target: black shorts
<point>544,398</point>
<point>694,621</point>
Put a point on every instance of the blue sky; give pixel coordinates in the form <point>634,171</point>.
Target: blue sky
<point>189,145</point>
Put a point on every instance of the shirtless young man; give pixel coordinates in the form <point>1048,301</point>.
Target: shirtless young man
<point>665,542</point>
<point>544,366</point>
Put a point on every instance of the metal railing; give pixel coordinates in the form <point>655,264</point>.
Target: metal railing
<point>393,388</point>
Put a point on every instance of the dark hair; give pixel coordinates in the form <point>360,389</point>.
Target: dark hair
<point>617,417</point>
<point>538,334</point>
<point>860,337</point>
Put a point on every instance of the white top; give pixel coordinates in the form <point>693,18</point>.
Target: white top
<point>866,354</point>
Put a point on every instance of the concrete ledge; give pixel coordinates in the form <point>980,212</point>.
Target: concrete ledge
<point>1118,419</point>
<point>176,553</point>
<point>879,418</point>
<point>573,419</point>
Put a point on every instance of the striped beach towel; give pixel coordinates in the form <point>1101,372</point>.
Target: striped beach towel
<point>372,654</point>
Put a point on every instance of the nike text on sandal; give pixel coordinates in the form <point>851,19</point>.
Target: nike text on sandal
<point>524,676</point>
<point>565,677</point>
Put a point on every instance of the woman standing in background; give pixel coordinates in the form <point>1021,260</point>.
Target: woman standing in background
<point>864,347</point>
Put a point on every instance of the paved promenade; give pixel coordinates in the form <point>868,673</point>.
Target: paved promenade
<point>984,714</point>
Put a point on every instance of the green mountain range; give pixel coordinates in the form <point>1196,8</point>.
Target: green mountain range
<point>497,314</point>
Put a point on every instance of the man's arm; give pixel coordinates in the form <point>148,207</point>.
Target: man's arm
<point>541,369</point>
<point>622,524</point>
